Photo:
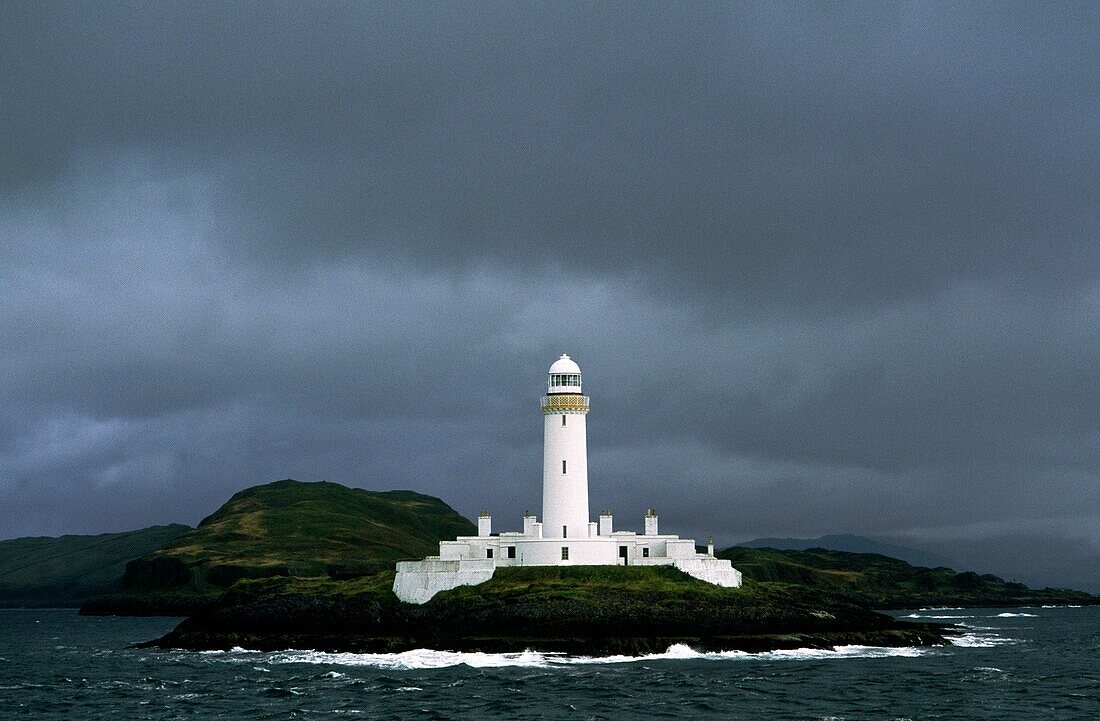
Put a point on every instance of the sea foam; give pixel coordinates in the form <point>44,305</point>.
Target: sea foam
<point>429,659</point>
<point>980,640</point>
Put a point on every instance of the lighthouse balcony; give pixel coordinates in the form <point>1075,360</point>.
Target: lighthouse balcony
<point>564,403</point>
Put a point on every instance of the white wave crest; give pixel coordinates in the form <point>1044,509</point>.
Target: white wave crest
<point>429,659</point>
<point>1014,615</point>
<point>851,652</point>
<point>420,658</point>
<point>235,649</point>
<point>681,652</point>
<point>675,652</point>
<point>980,640</point>
<point>918,615</point>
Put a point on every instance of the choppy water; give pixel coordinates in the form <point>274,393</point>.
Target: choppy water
<point>1007,664</point>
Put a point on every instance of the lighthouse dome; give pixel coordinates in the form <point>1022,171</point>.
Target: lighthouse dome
<point>565,376</point>
<point>565,364</point>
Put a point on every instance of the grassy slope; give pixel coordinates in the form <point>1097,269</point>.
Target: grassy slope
<point>66,571</point>
<point>883,582</point>
<point>286,528</point>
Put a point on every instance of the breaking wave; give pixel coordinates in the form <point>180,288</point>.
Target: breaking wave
<point>428,659</point>
<point>421,658</point>
<point>980,640</point>
<point>681,651</point>
<point>1014,615</point>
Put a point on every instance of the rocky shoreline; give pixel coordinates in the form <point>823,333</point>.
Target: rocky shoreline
<point>610,611</point>
<point>196,640</point>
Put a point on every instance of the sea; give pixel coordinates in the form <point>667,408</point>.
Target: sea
<point>1003,664</point>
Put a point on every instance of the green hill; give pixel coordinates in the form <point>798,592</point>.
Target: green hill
<point>286,528</point>
<point>883,582</point>
<point>66,571</point>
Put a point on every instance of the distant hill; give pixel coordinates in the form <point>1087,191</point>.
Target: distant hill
<point>882,582</point>
<point>854,544</point>
<point>286,528</point>
<point>66,571</point>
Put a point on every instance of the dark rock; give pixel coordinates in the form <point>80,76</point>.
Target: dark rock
<point>623,611</point>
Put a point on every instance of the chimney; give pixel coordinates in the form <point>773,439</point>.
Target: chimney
<point>484,524</point>
<point>529,523</point>
<point>605,522</point>
<point>650,522</point>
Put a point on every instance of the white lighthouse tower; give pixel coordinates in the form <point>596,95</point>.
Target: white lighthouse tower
<point>564,453</point>
<point>565,537</point>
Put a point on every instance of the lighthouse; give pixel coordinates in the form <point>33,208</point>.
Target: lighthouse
<point>565,536</point>
<point>564,453</point>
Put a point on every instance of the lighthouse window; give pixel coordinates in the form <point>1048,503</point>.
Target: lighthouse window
<point>563,419</point>
<point>488,553</point>
<point>563,466</point>
<point>645,552</point>
<point>565,553</point>
<point>511,551</point>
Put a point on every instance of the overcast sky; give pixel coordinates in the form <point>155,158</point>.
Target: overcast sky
<point>828,268</point>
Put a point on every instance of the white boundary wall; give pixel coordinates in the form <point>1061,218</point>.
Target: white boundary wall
<point>418,581</point>
<point>470,560</point>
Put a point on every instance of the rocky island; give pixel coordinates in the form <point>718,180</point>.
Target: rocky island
<point>580,610</point>
<point>313,596</point>
<point>309,565</point>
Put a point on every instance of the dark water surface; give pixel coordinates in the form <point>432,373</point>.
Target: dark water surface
<point>1010,664</point>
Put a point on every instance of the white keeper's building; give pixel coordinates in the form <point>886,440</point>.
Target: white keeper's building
<point>566,536</point>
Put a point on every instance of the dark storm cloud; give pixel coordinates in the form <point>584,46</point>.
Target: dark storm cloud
<point>827,268</point>
<point>769,155</point>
